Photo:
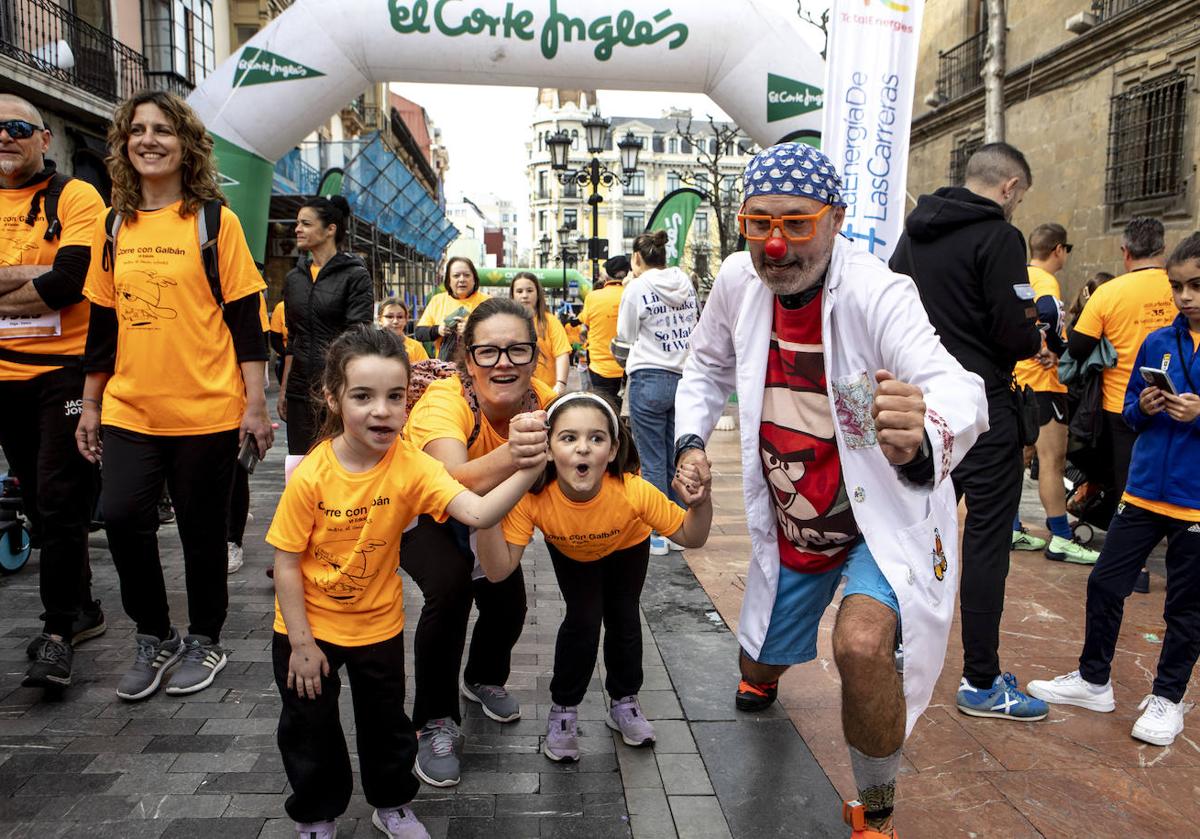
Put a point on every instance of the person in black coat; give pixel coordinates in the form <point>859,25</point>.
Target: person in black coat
<point>327,292</point>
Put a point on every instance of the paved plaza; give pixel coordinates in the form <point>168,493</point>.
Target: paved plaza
<point>206,765</point>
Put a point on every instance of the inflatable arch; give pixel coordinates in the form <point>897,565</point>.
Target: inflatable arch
<point>319,54</point>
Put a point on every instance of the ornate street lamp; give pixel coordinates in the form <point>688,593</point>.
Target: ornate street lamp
<point>544,249</point>
<point>594,174</point>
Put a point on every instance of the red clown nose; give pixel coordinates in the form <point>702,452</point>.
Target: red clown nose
<point>775,248</point>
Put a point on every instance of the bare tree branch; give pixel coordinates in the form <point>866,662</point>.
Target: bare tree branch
<point>821,23</point>
<point>722,190</point>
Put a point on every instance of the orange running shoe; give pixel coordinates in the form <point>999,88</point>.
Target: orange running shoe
<point>756,697</point>
<point>855,815</point>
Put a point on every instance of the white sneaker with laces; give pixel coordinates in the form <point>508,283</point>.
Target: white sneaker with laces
<point>1073,689</point>
<point>234,551</point>
<point>1161,721</point>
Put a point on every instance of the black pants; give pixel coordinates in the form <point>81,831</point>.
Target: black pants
<point>198,470</point>
<point>239,506</point>
<point>440,564</point>
<point>606,591</point>
<point>1132,535</point>
<point>313,746</point>
<point>609,387</point>
<point>38,418</point>
<point>1120,437</point>
<point>990,478</point>
<point>303,422</point>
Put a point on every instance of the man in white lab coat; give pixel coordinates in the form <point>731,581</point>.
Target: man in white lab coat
<point>852,416</point>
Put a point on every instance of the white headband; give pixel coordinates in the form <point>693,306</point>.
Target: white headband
<point>590,397</point>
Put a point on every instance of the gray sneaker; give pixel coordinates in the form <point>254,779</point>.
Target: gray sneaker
<point>497,702</point>
<point>202,660</point>
<point>439,750</point>
<point>154,656</point>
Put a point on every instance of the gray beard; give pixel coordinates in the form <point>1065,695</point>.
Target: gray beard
<point>803,276</point>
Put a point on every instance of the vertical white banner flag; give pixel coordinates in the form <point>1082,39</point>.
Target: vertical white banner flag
<point>870,73</point>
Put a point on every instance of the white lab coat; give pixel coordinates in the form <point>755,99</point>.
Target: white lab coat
<point>871,319</point>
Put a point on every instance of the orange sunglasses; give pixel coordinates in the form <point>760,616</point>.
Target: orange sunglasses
<point>797,228</point>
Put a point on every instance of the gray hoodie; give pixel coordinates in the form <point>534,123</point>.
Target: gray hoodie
<point>658,312</point>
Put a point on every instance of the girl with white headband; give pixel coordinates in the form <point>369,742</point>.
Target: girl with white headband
<point>596,513</point>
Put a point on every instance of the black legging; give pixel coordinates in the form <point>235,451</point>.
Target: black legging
<point>436,558</point>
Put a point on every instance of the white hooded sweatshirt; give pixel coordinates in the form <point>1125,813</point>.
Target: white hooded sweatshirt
<point>658,312</point>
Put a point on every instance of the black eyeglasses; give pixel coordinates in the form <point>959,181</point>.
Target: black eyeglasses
<point>19,129</point>
<point>1068,246</point>
<point>486,355</point>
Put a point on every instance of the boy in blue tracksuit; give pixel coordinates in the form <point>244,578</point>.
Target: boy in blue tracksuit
<point>1161,500</point>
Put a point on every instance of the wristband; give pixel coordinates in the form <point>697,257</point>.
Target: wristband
<point>688,441</point>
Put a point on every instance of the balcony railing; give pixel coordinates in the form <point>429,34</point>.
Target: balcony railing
<point>170,82</point>
<point>1105,9</point>
<point>960,68</point>
<point>50,39</point>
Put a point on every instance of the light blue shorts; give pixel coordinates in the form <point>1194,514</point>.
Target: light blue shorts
<point>801,600</point>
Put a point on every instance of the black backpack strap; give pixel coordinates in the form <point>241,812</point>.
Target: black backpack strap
<point>208,226</point>
<point>112,223</point>
<point>47,198</point>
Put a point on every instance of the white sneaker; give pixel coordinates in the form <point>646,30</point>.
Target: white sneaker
<point>1161,721</point>
<point>675,546</point>
<point>234,551</point>
<point>1073,689</point>
<point>658,545</point>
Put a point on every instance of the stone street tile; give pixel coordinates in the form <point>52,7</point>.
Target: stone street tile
<point>157,782</point>
<point>580,782</point>
<point>684,775</point>
<point>651,827</point>
<point>217,710</point>
<point>514,827</point>
<point>498,783</point>
<point>101,808</point>
<point>216,762</point>
<point>673,737</point>
<point>648,802</point>
<point>70,783</point>
<point>699,817</point>
<point>39,763</point>
<point>591,827</point>
<point>122,743</point>
<point>639,769</point>
<point>257,805</point>
<point>262,782</point>
<point>436,803</point>
<point>660,705</point>
<point>154,726</point>
<point>240,726</point>
<point>190,743</point>
<point>169,806</point>
<point>231,828</point>
<point>607,804</point>
<point>557,804</point>
<point>84,727</point>
<point>144,763</point>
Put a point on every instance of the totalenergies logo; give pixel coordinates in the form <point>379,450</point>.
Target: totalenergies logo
<point>890,4</point>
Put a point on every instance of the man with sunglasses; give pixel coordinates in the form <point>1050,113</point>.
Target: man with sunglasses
<point>1048,250</point>
<point>852,416</point>
<point>43,326</point>
<point>968,262</point>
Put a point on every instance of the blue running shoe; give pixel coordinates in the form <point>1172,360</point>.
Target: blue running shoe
<point>1003,699</point>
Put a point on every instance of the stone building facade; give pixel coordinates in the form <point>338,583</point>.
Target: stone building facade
<point>1102,97</point>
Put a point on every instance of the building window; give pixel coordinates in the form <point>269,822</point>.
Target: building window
<point>729,187</point>
<point>687,146</point>
<point>541,221</point>
<point>672,181</point>
<point>637,184</point>
<point>633,224</point>
<point>1145,140</point>
<point>700,222</point>
<point>178,38</point>
<point>673,145</point>
<point>960,68</point>
<point>570,189</point>
<point>543,190</point>
<point>700,180</point>
<point>1106,9</point>
<point>959,155</point>
<point>656,144</point>
<point>571,218</point>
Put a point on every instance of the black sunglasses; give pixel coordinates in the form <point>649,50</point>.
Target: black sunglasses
<point>1068,246</point>
<point>486,355</point>
<point>19,129</point>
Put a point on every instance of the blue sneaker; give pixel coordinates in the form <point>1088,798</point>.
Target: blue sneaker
<point>1003,699</point>
<point>659,546</point>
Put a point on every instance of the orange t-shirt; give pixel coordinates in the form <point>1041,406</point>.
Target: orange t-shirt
<point>442,306</point>
<point>279,321</point>
<point>415,349</point>
<point>600,317</point>
<point>176,371</point>
<point>1028,371</point>
<point>443,413</point>
<point>1125,310</point>
<point>346,526</point>
<point>622,514</point>
<point>58,333</point>
<point>550,345</point>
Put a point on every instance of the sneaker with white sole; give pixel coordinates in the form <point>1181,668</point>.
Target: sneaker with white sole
<point>1023,540</point>
<point>235,557</point>
<point>399,823</point>
<point>316,830</point>
<point>495,700</point>
<point>675,546</point>
<point>154,656</point>
<point>1003,700</point>
<point>625,715</point>
<point>1068,550</point>
<point>1161,721</point>
<point>200,663</point>
<point>439,750</point>
<point>1073,689</point>
<point>658,545</point>
<point>562,734</point>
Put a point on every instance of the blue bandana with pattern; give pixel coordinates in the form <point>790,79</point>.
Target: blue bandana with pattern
<point>793,169</point>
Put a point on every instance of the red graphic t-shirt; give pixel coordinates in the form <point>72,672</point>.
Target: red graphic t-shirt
<point>798,448</point>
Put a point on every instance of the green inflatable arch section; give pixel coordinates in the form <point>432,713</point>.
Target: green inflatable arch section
<point>550,278</point>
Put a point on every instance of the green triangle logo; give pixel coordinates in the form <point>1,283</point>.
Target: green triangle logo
<point>790,98</point>
<point>259,66</point>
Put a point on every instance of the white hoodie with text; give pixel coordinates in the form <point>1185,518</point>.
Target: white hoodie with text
<point>658,311</point>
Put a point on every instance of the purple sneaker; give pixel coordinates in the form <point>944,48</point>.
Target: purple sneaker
<point>562,736</point>
<point>316,830</point>
<point>399,823</point>
<point>625,715</point>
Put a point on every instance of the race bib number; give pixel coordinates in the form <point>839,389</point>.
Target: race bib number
<point>43,326</point>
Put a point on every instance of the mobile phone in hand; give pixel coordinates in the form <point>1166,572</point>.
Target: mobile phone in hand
<point>1159,379</point>
<point>248,454</point>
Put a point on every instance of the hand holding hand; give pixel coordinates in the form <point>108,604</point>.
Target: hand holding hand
<point>698,459</point>
<point>689,487</point>
<point>899,414</point>
<point>1182,408</point>
<point>527,440</point>
<point>1046,359</point>
<point>1151,401</point>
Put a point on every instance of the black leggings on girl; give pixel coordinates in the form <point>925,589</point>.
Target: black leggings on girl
<point>313,745</point>
<point>606,591</point>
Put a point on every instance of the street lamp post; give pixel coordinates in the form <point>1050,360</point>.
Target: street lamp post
<point>594,173</point>
<point>544,249</point>
<point>564,233</point>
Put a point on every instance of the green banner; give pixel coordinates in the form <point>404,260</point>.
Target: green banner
<point>788,98</point>
<point>674,214</point>
<point>245,178</point>
<point>258,66</point>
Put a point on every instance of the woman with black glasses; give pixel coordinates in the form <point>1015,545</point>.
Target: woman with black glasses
<point>484,424</point>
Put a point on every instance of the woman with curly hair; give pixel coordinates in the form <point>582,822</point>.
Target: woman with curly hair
<point>174,381</point>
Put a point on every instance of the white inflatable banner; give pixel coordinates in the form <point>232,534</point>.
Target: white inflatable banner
<point>319,55</point>
<point>872,64</point>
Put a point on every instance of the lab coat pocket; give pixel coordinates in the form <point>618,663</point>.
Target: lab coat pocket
<point>852,397</point>
<point>928,554</point>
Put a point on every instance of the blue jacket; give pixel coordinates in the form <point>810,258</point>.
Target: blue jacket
<point>1163,467</point>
